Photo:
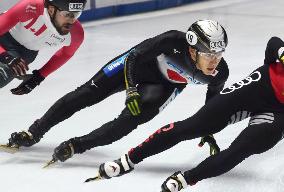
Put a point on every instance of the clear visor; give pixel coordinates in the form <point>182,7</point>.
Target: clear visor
<point>70,15</point>
<point>210,56</point>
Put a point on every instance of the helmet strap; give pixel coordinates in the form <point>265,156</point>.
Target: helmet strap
<point>195,62</point>
<point>197,58</point>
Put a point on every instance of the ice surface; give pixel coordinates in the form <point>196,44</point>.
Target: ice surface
<point>249,23</point>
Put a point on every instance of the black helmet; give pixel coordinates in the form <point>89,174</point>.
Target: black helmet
<point>68,5</point>
<point>207,36</point>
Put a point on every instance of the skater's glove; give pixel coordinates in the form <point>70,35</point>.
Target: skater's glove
<point>17,64</point>
<point>133,101</point>
<point>214,148</point>
<point>281,54</point>
<point>30,81</point>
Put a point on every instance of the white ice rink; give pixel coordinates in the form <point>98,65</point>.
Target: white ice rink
<point>249,23</point>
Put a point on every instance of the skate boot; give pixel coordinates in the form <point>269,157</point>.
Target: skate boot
<point>174,183</point>
<point>19,139</point>
<point>61,153</point>
<point>64,151</point>
<point>26,138</point>
<point>114,168</point>
<point>23,138</point>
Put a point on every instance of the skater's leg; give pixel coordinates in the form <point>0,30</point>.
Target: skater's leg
<point>92,92</point>
<point>153,96</point>
<point>261,135</point>
<point>95,90</point>
<point>255,139</point>
<point>153,99</point>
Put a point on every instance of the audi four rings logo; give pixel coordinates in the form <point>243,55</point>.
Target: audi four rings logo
<point>255,76</point>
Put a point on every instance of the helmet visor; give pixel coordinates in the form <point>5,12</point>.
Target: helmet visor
<point>210,56</point>
<point>70,15</point>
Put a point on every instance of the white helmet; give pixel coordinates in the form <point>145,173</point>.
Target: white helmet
<point>207,36</point>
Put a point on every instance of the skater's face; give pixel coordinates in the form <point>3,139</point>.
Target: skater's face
<point>206,62</point>
<point>62,20</point>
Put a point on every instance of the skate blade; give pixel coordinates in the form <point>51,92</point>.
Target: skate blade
<point>52,161</point>
<point>97,178</point>
<point>9,149</point>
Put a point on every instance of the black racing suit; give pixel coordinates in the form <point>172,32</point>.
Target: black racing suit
<point>161,68</point>
<point>252,97</point>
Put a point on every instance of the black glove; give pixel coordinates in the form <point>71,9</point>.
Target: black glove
<point>214,148</point>
<point>17,64</point>
<point>29,83</point>
<point>133,101</point>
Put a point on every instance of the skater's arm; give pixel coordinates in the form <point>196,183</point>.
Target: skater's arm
<point>274,50</point>
<point>213,89</point>
<point>65,53</point>
<point>22,11</point>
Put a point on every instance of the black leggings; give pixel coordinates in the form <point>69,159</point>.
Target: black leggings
<point>254,139</point>
<point>253,97</point>
<point>154,97</point>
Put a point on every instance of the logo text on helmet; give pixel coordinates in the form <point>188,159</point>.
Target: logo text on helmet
<point>76,6</point>
<point>217,45</point>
